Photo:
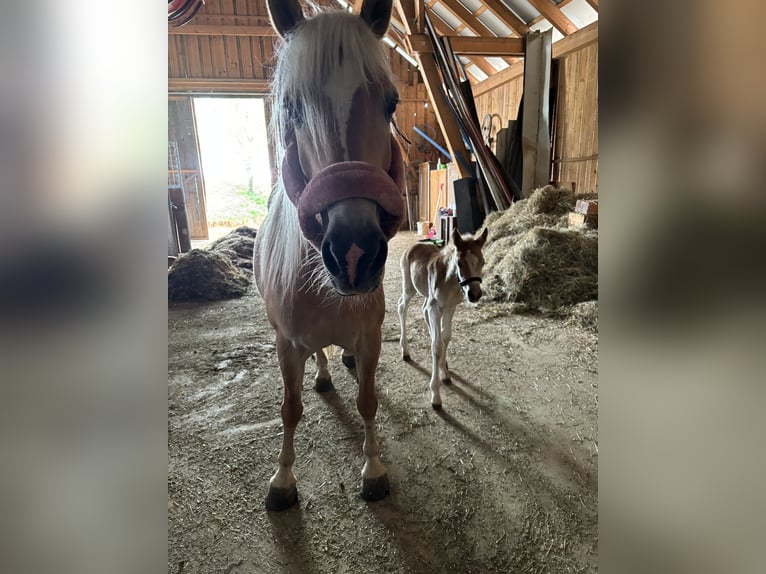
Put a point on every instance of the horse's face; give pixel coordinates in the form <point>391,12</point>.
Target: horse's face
<point>470,262</point>
<point>341,115</point>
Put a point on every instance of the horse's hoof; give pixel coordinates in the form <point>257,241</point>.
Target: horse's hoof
<point>447,381</point>
<point>349,361</point>
<point>323,385</point>
<point>436,407</point>
<point>375,488</point>
<point>406,358</point>
<point>280,499</point>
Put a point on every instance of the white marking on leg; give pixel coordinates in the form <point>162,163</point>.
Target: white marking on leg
<point>284,477</point>
<point>434,320</point>
<point>372,468</point>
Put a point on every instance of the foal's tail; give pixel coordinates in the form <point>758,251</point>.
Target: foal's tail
<point>407,285</point>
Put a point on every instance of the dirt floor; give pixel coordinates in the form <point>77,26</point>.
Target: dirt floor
<point>504,479</point>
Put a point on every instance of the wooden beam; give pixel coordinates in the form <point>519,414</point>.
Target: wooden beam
<point>444,30</point>
<point>554,16</point>
<point>443,113</point>
<point>222,30</point>
<point>406,11</point>
<point>420,12</point>
<point>468,46</point>
<point>218,86</point>
<point>507,17</point>
<point>462,13</point>
<point>563,47</point>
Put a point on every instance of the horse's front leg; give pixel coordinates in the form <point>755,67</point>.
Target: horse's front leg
<point>283,492</point>
<point>374,476</point>
<point>446,323</point>
<point>434,312</point>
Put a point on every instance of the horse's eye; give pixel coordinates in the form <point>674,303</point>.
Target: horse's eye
<point>391,107</point>
<point>294,112</point>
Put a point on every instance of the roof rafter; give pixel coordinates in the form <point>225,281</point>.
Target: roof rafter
<point>554,16</point>
<point>444,30</point>
<point>506,16</point>
<point>469,21</point>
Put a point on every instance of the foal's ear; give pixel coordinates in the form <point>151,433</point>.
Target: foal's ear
<point>377,13</point>
<point>285,15</point>
<point>457,239</point>
<point>482,239</point>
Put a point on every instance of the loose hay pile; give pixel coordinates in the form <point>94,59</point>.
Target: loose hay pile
<point>237,246</point>
<point>201,274</point>
<point>535,260</point>
<point>224,269</point>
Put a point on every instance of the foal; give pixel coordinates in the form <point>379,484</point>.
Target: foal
<point>445,277</point>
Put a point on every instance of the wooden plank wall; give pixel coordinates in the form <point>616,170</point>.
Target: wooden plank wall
<point>575,151</point>
<point>575,156</point>
<point>223,57</point>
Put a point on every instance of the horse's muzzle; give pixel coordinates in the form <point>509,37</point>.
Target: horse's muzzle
<point>354,248</point>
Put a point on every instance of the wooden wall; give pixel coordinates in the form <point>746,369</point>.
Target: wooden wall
<point>193,55</point>
<point>575,146</point>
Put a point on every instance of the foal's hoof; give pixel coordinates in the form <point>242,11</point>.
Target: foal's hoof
<point>280,499</point>
<point>436,407</point>
<point>375,488</point>
<point>349,361</point>
<point>406,358</point>
<point>323,385</point>
<point>447,381</point>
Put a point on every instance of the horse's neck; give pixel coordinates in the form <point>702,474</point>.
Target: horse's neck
<point>448,256</point>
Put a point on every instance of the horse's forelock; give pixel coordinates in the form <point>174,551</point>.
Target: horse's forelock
<point>317,49</point>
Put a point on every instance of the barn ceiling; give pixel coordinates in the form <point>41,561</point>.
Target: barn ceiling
<point>469,18</point>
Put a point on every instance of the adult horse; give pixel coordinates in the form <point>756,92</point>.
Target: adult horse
<point>320,253</point>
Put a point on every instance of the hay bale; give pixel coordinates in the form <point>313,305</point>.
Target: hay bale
<point>548,268</point>
<point>237,246</point>
<point>203,274</point>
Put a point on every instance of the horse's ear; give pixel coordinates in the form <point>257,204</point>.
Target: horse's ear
<point>285,15</point>
<point>457,239</point>
<point>482,239</point>
<point>377,13</point>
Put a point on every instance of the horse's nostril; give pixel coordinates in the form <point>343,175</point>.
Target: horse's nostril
<point>380,258</point>
<point>330,261</point>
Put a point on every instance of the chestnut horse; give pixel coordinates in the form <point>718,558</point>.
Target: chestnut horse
<point>320,253</point>
<point>445,277</point>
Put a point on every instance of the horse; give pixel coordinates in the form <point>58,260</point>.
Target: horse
<point>319,255</point>
<point>445,277</point>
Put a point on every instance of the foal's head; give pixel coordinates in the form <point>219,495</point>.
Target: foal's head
<point>470,262</point>
<point>334,99</point>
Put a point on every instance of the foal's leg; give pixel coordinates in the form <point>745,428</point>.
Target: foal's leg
<point>446,324</point>
<point>437,349</point>
<point>292,362</point>
<point>404,303</point>
<point>322,380</point>
<point>374,476</point>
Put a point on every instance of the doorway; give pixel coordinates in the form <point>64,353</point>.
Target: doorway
<point>234,157</point>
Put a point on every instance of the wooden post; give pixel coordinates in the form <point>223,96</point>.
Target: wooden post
<point>535,126</point>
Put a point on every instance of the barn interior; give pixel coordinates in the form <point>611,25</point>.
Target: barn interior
<point>498,124</point>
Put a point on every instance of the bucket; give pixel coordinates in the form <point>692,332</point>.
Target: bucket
<point>423,227</point>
